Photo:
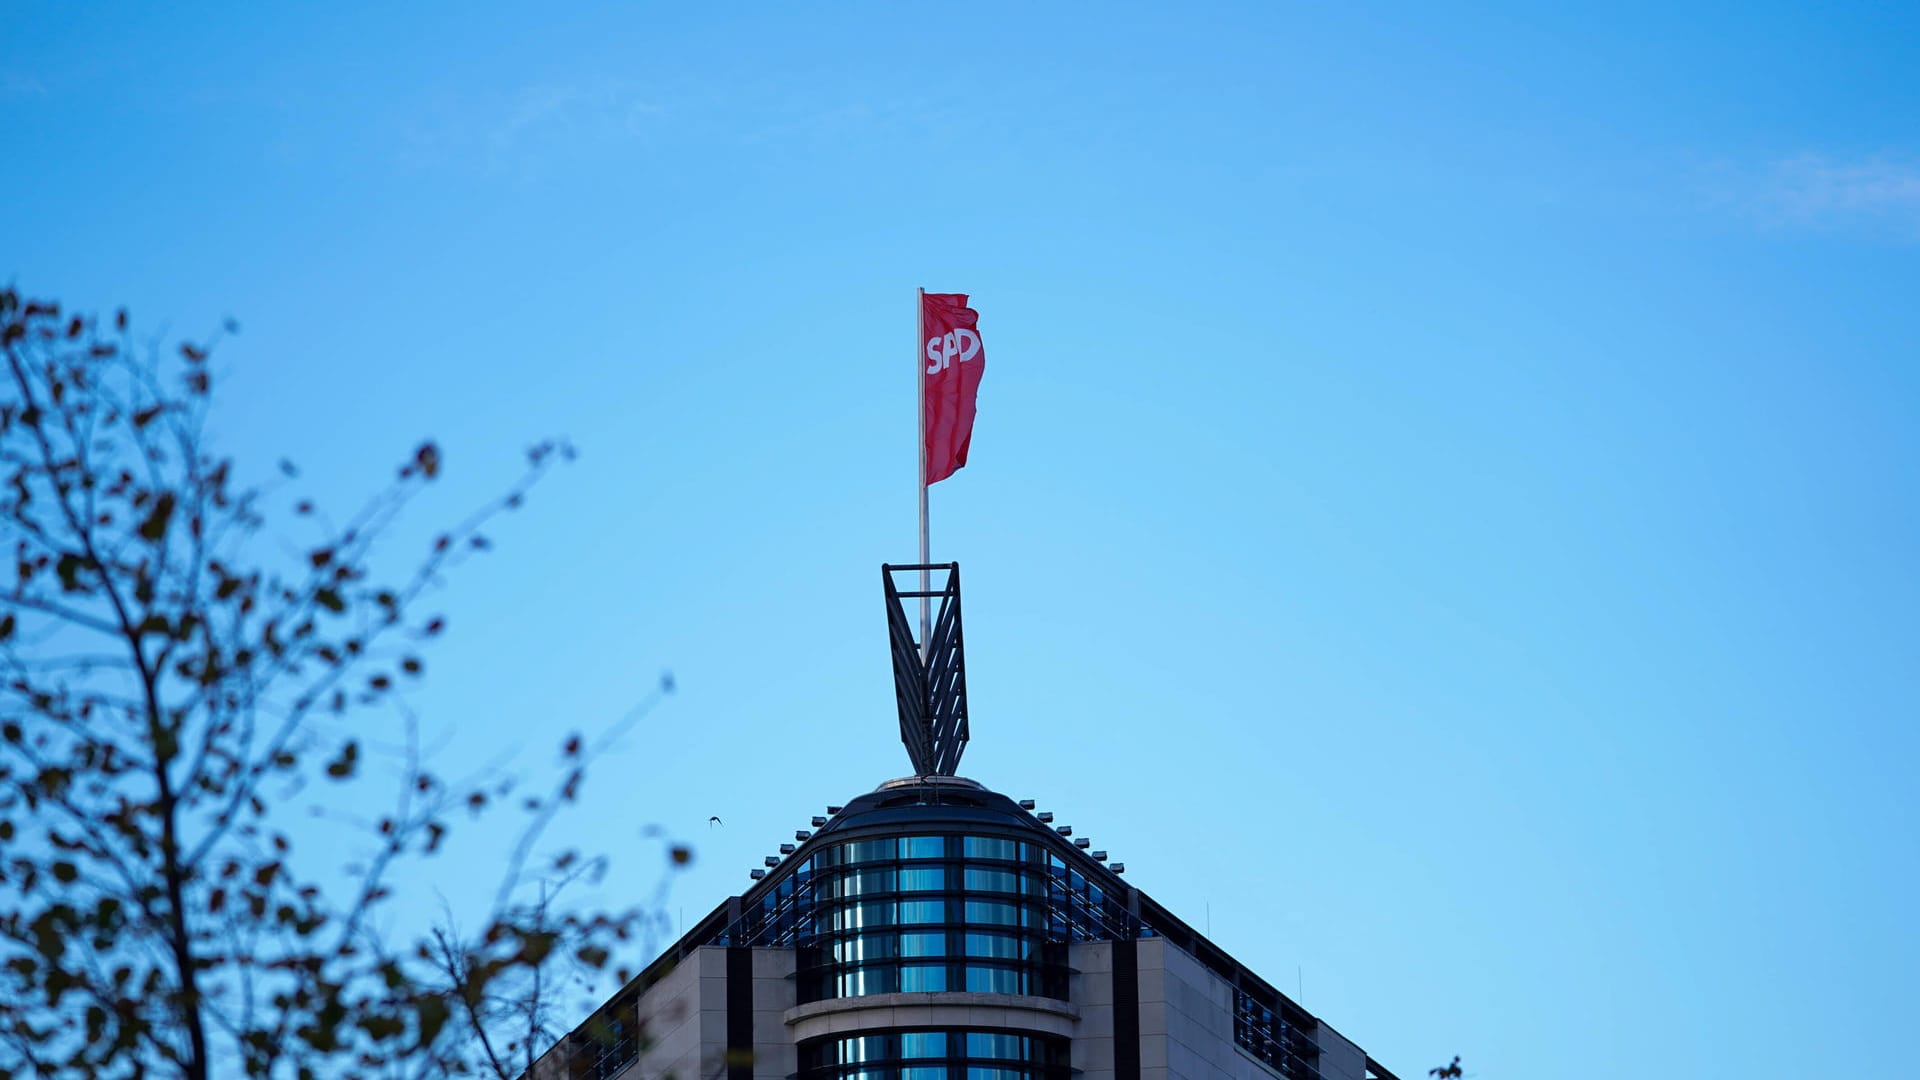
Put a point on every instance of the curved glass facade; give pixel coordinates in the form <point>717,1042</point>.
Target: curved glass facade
<point>948,1054</point>
<point>928,913</point>
<point>932,912</point>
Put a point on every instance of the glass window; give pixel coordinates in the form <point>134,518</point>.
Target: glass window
<point>864,981</point>
<point>870,851</point>
<point>923,879</point>
<point>923,1044</point>
<point>988,980</point>
<point>998,946</point>
<point>987,847</point>
<point>993,911</point>
<point>935,1055</point>
<point>923,847</point>
<point>923,911</point>
<point>923,977</point>
<point>923,944</point>
<point>992,880</point>
<point>858,916</point>
<point>856,949</point>
<point>863,882</point>
<point>990,1044</point>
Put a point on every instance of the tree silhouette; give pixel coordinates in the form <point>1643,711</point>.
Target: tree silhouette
<point>171,683</point>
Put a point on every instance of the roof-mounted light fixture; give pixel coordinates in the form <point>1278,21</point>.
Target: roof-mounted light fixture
<point>1064,830</point>
<point>832,810</point>
<point>1100,855</point>
<point>786,849</point>
<point>801,835</point>
<point>1118,868</point>
<point>756,874</point>
<point>1026,804</point>
<point>1045,816</point>
<point>1083,843</point>
<point>818,821</point>
<point>772,860</point>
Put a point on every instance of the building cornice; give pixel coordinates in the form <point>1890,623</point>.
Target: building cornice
<point>932,1010</point>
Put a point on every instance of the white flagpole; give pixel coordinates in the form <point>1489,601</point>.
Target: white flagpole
<point>920,438</point>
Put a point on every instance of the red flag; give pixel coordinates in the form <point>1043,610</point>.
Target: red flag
<point>950,380</point>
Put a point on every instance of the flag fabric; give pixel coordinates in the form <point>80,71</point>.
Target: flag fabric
<point>954,359</point>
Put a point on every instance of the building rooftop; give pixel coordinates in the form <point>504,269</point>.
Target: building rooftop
<point>949,804</point>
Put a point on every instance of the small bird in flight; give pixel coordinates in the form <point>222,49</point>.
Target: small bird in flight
<point>712,821</point>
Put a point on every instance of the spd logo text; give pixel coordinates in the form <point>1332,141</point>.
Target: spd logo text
<point>961,345</point>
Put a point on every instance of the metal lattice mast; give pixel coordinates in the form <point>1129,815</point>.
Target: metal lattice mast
<point>930,675</point>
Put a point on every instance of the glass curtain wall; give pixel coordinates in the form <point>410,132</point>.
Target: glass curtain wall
<point>933,912</point>
<point>919,913</point>
<point>934,1055</point>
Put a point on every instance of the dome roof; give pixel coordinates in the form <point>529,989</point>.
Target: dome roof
<point>914,801</point>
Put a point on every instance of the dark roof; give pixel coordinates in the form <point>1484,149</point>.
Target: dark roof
<point>931,800</point>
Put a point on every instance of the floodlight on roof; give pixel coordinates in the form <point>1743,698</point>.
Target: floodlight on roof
<point>832,810</point>
<point>1100,855</point>
<point>1026,804</point>
<point>1064,830</point>
<point>1044,816</point>
<point>786,849</point>
<point>1083,843</point>
<point>756,874</point>
<point>818,821</point>
<point>1118,868</point>
<point>801,835</point>
<point>772,860</point>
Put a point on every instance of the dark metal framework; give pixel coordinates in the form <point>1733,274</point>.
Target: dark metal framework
<point>1277,1036</point>
<point>606,1052</point>
<point>929,677</point>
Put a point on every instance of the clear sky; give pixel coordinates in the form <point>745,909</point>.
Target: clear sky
<point>1443,508</point>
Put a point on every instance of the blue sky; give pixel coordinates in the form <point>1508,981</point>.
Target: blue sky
<point>1442,508</point>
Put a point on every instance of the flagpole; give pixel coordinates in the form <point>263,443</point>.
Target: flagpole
<point>920,438</point>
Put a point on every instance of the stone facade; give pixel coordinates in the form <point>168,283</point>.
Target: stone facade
<point>1185,1025</point>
